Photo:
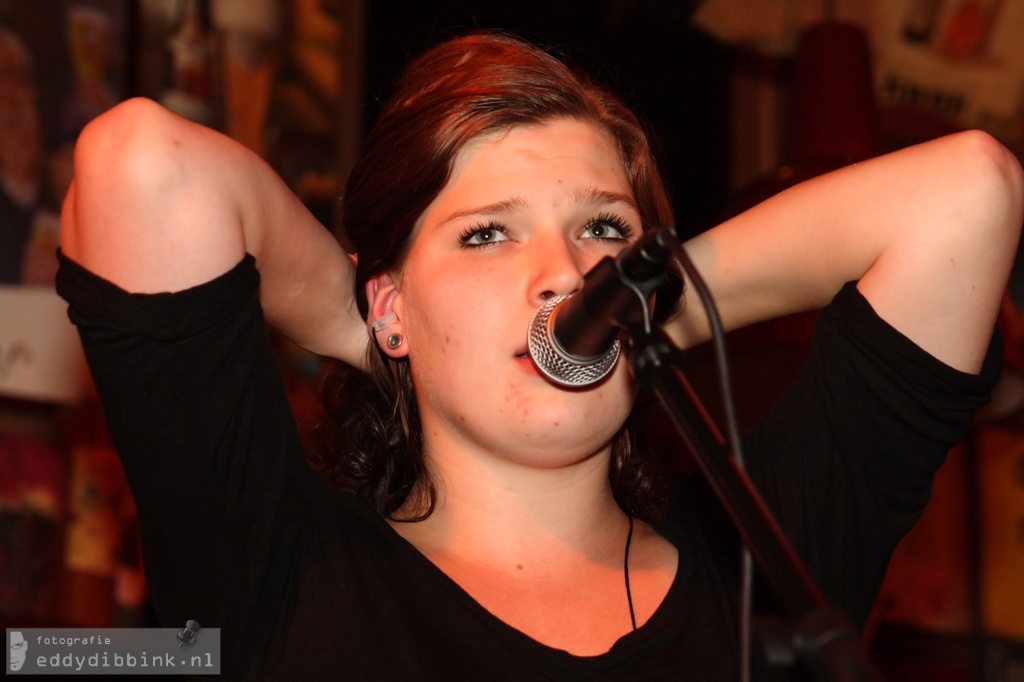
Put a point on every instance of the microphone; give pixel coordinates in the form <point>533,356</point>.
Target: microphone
<point>573,339</point>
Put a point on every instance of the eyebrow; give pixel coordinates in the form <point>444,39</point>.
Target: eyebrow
<point>497,208</point>
<point>580,196</point>
<point>593,195</point>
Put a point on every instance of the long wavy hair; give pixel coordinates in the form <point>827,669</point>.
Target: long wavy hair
<point>370,441</point>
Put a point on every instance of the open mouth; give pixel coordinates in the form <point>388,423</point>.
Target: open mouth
<point>526,362</point>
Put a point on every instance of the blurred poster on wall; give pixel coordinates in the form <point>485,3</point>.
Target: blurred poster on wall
<point>960,61</point>
<point>939,65</point>
<point>41,357</point>
<point>61,64</point>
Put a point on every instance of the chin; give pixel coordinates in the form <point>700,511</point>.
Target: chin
<point>563,446</point>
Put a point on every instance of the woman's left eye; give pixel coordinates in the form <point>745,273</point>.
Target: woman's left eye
<point>483,235</point>
<point>607,227</point>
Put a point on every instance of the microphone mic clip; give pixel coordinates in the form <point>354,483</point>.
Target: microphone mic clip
<point>573,339</point>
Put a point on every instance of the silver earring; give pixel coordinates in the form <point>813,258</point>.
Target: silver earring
<point>394,341</point>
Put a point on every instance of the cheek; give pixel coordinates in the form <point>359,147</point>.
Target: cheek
<point>518,405</point>
<point>436,324</point>
<point>452,309</point>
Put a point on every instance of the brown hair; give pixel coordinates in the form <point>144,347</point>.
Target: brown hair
<point>370,442</point>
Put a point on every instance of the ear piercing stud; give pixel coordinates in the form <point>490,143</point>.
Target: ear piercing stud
<point>394,341</point>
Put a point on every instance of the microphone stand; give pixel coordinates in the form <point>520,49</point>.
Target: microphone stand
<point>814,632</point>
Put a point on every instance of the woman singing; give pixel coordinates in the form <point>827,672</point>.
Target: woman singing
<point>471,519</point>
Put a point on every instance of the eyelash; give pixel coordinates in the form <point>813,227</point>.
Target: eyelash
<point>611,220</point>
<point>603,219</point>
<point>471,232</point>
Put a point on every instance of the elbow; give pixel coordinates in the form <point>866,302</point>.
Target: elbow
<point>124,161</point>
<point>109,145</point>
<point>994,181</point>
<point>983,200</point>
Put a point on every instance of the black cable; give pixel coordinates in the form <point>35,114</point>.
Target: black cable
<point>733,439</point>
<point>625,571</point>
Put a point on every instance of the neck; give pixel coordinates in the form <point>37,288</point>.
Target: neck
<point>502,512</point>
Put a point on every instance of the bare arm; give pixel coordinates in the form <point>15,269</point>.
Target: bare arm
<point>930,232</point>
<point>162,204</point>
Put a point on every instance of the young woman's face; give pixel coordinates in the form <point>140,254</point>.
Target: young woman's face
<point>526,214</point>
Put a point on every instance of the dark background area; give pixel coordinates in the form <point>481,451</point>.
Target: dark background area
<point>674,76</point>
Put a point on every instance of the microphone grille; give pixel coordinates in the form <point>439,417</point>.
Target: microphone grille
<point>559,366</point>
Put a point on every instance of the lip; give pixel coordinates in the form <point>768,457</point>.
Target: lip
<point>525,363</point>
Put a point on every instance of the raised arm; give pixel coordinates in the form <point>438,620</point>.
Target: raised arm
<point>930,232</point>
<point>161,204</point>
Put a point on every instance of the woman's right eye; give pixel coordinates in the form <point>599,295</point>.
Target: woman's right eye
<point>482,236</point>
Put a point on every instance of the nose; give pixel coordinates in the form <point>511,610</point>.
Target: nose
<point>557,270</point>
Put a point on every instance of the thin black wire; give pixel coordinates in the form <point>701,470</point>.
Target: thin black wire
<point>732,436</point>
<point>625,571</point>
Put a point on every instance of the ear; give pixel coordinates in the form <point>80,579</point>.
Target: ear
<point>385,327</point>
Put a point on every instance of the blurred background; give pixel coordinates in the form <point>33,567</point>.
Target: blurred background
<point>743,98</point>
